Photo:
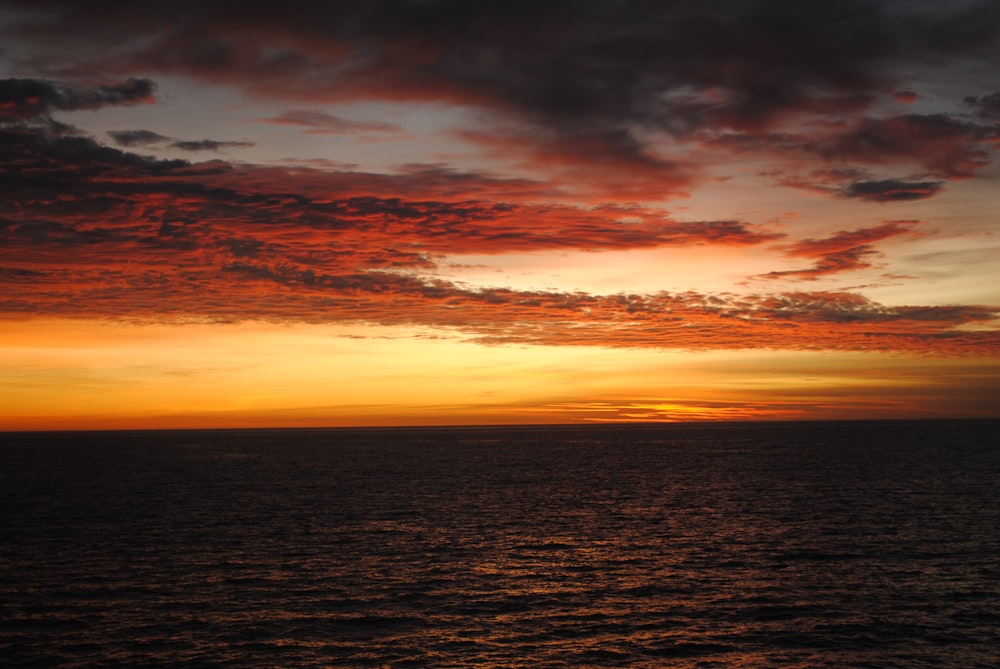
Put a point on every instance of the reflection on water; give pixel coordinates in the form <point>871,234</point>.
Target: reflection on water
<point>838,545</point>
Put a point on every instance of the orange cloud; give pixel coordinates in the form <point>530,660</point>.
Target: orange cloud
<point>847,250</point>
<point>97,232</point>
<point>74,192</point>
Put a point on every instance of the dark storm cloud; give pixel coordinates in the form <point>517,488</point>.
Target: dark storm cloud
<point>26,98</point>
<point>573,76</point>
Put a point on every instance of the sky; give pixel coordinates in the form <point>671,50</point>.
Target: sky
<point>418,212</point>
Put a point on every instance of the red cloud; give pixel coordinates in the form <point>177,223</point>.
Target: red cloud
<point>933,148</point>
<point>830,263</point>
<point>76,185</point>
<point>844,251</point>
<point>595,166</point>
<point>940,144</point>
<point>240,291</point>
<point>97,232</point>
<point>846,240</point>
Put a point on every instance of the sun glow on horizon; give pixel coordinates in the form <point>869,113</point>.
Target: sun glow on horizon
<point>261,374</point>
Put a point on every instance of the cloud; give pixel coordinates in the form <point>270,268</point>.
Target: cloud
<point>857,183</point>
<point>845,251</point>
<point>132,138</point>
<point>863,159</point>
<point>599,84</point>
<point>935,149</point>
<point>673,409</point>
<point>988,106</point>
<point>241,290</point>
<point>686,321</point>
<point>33,100</point>
<point>323,123</point>
<point>75,183</point>
<point>600,165</point>
<point>891,190</point>
<point>830,263</point>
<point>945,147</point>
<point>92,231</point>
<point>208,145</point>
<point>848,239</point>
<point>26,98</point>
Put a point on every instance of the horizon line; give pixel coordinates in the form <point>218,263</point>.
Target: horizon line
<point>514,426</point>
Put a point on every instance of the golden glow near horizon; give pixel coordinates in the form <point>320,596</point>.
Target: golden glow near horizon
<point>256,374</point>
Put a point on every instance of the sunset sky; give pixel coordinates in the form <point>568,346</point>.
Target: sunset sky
<point>450,212</point>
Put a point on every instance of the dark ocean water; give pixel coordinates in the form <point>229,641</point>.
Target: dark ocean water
<point>791,545</point>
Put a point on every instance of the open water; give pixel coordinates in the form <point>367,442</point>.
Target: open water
<point>755,545</point>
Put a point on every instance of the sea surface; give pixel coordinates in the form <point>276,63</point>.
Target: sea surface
<point>868,544</point>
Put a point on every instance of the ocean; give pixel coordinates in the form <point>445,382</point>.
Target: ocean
<point>853,544</point>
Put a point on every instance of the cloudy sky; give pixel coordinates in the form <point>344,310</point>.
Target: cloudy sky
<point>441,211</point>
